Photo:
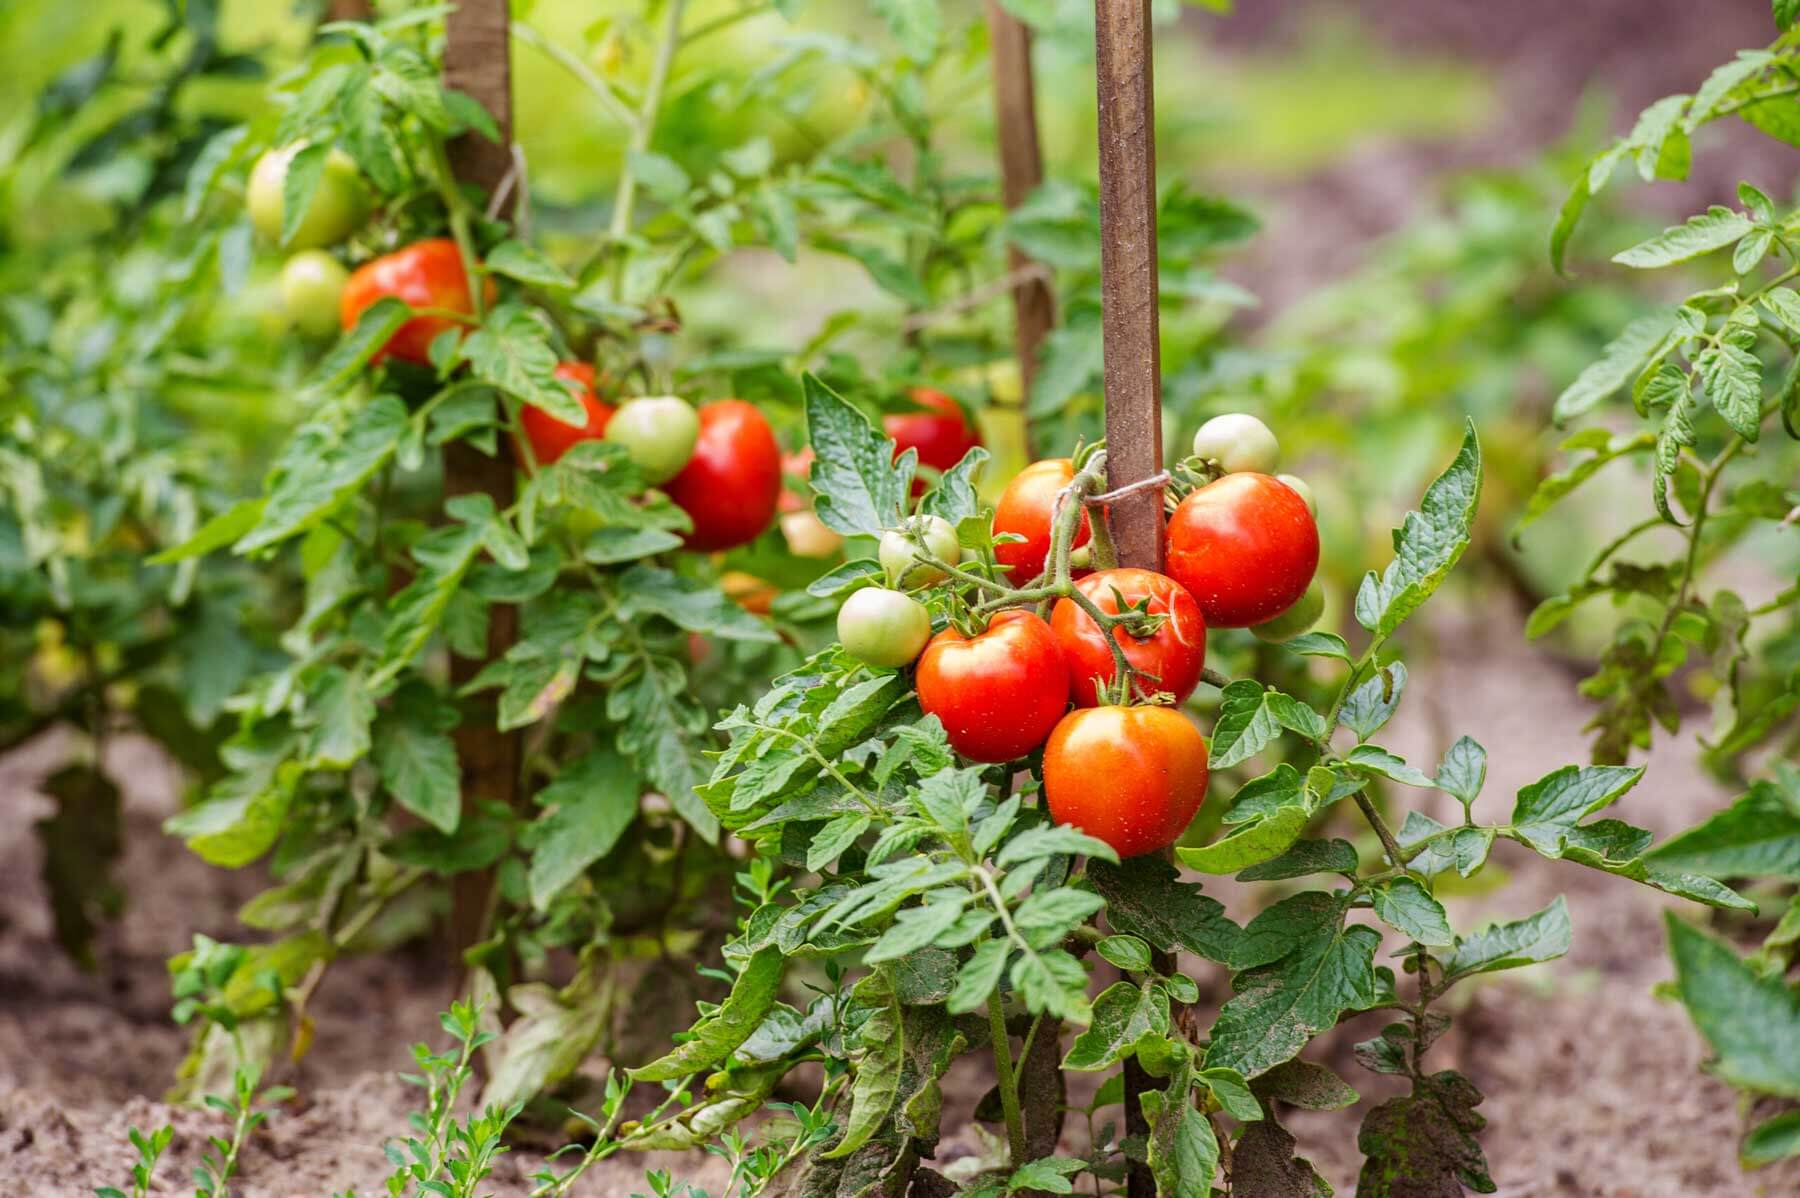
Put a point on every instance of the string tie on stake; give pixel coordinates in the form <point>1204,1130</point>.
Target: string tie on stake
<point>1155,482</point>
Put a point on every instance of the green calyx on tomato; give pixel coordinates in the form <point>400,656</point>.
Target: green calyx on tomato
<point>312,286</point>
<point>883,628</point>
<point>902,550</point>
<point>338,207</point>
<point>1130,776</point>
<point>1168,657</point>
<point>659,432</point>
<point>1237,442</point>
<point>997,693</point>
<point>1295,620</point>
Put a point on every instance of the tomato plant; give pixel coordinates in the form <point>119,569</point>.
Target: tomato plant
<point>1711,379</point>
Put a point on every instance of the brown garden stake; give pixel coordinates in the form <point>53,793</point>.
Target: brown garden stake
<point>1021,170</point>
<point>477,61</point>
<point>1129,327</point>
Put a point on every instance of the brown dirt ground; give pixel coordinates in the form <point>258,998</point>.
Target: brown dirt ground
<point>1594,1086</point>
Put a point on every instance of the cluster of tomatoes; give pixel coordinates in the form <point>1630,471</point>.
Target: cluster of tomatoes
<point>1124,765</point>
<point>721,463</point>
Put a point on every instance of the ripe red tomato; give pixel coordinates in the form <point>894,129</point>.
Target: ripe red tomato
<point>942,434</point>
<point>1025,508</point>
<point>1131,776</point>
<point>997,693</point>
<point>1245,547</point>
<point>550,437</point>
<point>1175,653</point>
<point>426,274</point>
<point>731,484</point>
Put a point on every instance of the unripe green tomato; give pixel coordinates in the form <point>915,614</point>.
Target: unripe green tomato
<point>899,551</point>
<point>338,206</point>
<point>883,628</point>
<point>1237,442</point>
<point>1295,620</point>
<point>1300,488</point>
<point>312,282</point>
<point>659,431</point>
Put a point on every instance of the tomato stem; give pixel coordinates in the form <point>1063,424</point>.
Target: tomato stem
<point>1003,1074</point>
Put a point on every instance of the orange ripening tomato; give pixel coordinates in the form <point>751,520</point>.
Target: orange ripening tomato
<point>550,437</point>
<point>1174,654</point>
<point>1026,508</point>
<point>942,434</point>
<point>997,693</point>
<point>425,274</point>
<point>1131,776</point>
<point>731,486</point>
<point>1245,546</point>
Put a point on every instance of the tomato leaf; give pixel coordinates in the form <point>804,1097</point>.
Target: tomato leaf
<point>1428,543</point>
<point>859,487</point>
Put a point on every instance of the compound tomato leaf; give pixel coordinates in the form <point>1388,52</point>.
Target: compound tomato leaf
<point>591,804</point>
<point>1146,898</point>
<point>1428,543</point>
<point>1408,908</point>
<point>1123,1014</point>
<point>1540,937</point>
<point>1711,230</point>
<point>858,486</point>
<point>416,757</point>
<point>718,1035</point>
<point>1276,1008</point>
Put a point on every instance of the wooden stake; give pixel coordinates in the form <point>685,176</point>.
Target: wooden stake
<point>1134,451</point>
<point>1021,170</point>
<point>477,61</point>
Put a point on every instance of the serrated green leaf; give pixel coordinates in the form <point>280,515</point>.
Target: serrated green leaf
<point>1714,229</point>
<point>1372,704</point>
<point>1426,546</point>
<point>1408,908</point>
<point>1124,1013</point>
<point>1252,716</point>
<point>1544,936</point>
<point>1145,898</point>
<point>1732,379</point>
<point>653,592</point>
<point>1250,843</point>
<point>858,486</point>
<point>1463,771</point>
<point>592,801</point>
<point>1377,760</point>
<point>1622,358</point>
<point>718,1035</point>
<point>416,757</point>
<point>1547,810</point>
<point>978,977</point>
<point>1751,1023</point>
<point>1757,836</point>
<point>1277,1007</point>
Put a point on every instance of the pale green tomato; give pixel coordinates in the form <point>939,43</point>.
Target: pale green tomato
<point>659,431</point>
<point>339,204</point>
<point>312,283</point>
<point>807,536</point>
<point>1295,620</point>
<point>1298,485</point>
<point>1237,442</point>
<point>899,551</point>
<point>883,628</point>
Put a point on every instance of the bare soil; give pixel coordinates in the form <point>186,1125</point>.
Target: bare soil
<point>1595,1087</point>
